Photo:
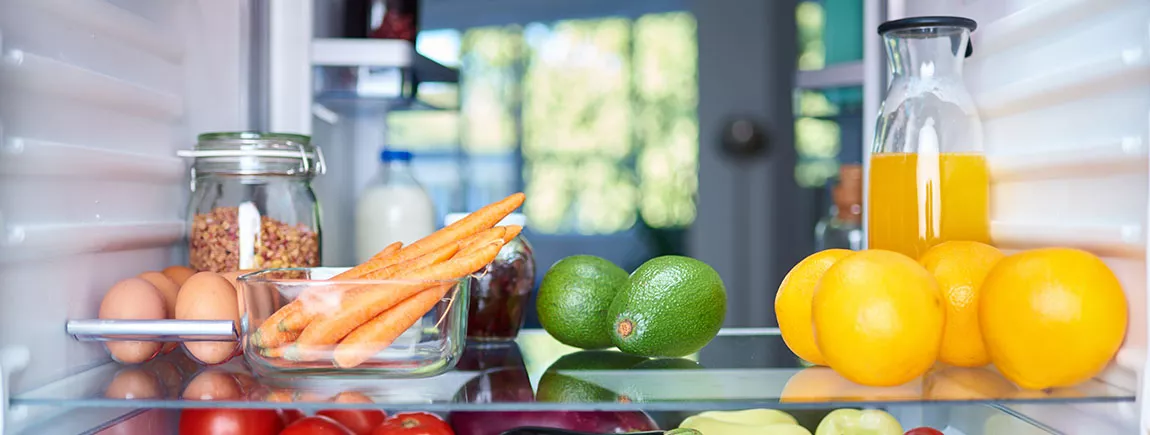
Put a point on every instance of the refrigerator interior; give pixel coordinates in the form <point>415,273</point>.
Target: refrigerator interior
<point>96,97</point>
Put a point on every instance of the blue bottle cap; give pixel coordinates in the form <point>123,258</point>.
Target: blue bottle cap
<point>395,156</point>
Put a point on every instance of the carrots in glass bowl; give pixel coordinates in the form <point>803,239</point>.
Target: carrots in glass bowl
<point>362,320</point>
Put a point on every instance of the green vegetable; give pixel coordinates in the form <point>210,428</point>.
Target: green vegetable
<point>574,298</point>
<point>672,307</point>
<point>856,422</point>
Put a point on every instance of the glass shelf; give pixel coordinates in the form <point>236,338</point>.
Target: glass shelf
<point>742,368</point>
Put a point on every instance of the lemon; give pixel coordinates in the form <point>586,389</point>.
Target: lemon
<point>1052,317</point>
<point>878,318</point>
<point>959,267</point>
<point>793,303</point>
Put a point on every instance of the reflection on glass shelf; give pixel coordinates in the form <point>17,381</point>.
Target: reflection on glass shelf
<point>739,369</point>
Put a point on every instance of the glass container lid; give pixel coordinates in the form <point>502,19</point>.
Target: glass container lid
<point>255,153</point>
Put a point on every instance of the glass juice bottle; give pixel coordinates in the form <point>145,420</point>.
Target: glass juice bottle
<point>928,177</point>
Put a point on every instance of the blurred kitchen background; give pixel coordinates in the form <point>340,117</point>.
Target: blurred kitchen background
<point>637,128</point>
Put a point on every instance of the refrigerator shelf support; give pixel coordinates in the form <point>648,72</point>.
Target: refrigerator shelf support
<point>152,330</point>
<point>12,359</point>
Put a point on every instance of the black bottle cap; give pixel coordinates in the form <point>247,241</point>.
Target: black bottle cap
<point>934,21</point>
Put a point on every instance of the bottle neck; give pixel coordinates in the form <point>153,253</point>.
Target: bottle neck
<point>397,172</point>
<point>930,53</point>
<point>397,166</point>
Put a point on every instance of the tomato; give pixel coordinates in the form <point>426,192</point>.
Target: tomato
<point>414,423</point>
<point>230,422</point>
<point>361,422</point>
<point>923,431</point>
<point>318,425</point>
<point>290,416</point>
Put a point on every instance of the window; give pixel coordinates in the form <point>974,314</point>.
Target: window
<point>828,118</point>
<point>594,117</point>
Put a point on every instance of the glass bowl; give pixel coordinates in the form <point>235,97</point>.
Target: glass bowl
<point>430,346</point>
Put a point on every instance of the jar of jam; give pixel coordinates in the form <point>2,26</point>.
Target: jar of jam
<point>499,297</point>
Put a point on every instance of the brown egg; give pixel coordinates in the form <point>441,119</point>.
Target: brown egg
<point>208,296</point>
<point>133,383</point>
<point>213,385</point>
<point>168,374</point>
<point>168,289</point>
<point>179,274</point>
<point>262,302</point>
<point>148,422</point>
<point>136,299</point>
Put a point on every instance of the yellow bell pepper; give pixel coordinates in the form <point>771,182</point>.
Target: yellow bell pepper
<point>747,422</point>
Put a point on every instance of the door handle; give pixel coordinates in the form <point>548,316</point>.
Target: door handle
<point>743,137</point>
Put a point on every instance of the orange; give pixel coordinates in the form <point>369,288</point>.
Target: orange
<point>793,303</point>
<point>822,384</point>
<point>1052,317</point>
<point>878,318</point>
<point>959,268</point>
<point>967,383</point>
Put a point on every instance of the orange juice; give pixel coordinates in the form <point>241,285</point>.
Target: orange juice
<point>918,201</point>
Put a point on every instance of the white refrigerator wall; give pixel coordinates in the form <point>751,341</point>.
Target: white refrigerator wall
<point>95,98</point>
<point>1063,89</point>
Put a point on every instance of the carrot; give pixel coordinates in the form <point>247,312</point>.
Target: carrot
<point>269,335</point>
<point>304,353</point>
<point>311,303</point>
<point>378,333</point>
<point>365,306</point>
<point>281,396</point>
<point>439,255</point>
<point>302,318</point>
<point>381,259</point>
<point>387,250</point>
<point>475,222</point>
<point>352,397</point>
<point>482,237</point>
<point>511,232</point>
<point>273,352</point>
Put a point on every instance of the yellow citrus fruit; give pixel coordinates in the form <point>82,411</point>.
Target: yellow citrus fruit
<point>793,303</point>
<point>959,268</point>
<point>822,384</point>
<point>878,318</point>
<point>967,383</point>
<point>1051,317</point>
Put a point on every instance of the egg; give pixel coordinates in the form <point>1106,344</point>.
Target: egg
<point>168,374</point>
<point>179,274</point>
<point>213,385</point>
<point>168,290</point>
<point>133,383</point>
<point>135,299</point>
<point>208,296</point>
<point>261,302</point>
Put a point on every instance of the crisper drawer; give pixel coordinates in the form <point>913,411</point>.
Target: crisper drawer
<point>1063,89</point>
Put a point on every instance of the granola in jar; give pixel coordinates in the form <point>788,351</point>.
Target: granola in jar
<point>214,243</point>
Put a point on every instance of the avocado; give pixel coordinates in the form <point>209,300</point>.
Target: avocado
<point>672,306</point>
<point>556,387</point>
<point>574,297</point>
<point>667,364</point>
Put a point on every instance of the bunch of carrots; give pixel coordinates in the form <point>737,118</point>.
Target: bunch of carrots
<point>363,320</point>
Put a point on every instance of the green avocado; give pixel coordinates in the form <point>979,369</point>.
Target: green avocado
<point>671,307</point>
<point>557,387</point>
<point>574,297</point>
<point>667,364</point>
